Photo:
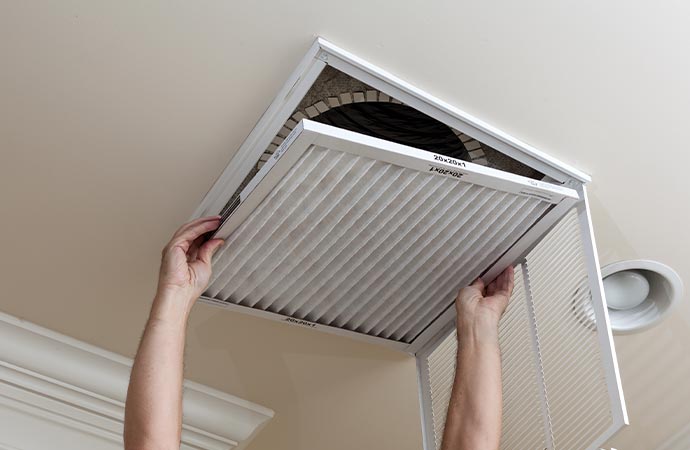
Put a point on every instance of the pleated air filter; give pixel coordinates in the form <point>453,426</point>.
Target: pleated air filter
<point>347,231</point>
<point>349,234</point>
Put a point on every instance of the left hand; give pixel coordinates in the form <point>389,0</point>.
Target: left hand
<point>186,262</point>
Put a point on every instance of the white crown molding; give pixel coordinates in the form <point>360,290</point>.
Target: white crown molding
<point>81,386</point>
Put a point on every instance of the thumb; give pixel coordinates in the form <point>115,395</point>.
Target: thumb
<point>208,249</point>
<point>478,284</point>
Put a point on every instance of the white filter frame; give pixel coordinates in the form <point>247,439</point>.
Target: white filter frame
<point>309,133</point>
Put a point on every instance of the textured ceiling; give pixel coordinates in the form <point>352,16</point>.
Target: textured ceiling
<point>116,117</point>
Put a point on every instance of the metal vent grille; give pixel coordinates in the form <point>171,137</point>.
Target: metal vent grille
<point>572,363</point>
<point>364,245</point>
<point>555,394</point>
<point>523,418</point>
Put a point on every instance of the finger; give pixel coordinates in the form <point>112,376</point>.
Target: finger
<point>180,231</point>
<point>511,280</point>
<point>496,284</point>
<point>477,285</point>
<point>208,249</point>
<point>491,288</point>
<point>185,239</point>
<point>506,281</point>
<point>194,223</point>
<point>194,248</point>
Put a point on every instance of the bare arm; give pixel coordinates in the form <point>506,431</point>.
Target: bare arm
<point>474,413</point>
<point>153,410</point>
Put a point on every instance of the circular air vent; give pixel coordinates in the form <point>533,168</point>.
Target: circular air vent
<point>642,293</point>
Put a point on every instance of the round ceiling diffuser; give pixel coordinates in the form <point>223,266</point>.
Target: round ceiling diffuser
<point>639,294</point>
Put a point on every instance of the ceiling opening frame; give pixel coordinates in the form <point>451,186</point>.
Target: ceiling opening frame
<point>323,53</point>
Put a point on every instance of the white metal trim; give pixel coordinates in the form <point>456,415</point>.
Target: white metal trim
<point>272,120</point>
<point>286,101</point>
<point>606,344</point>
<point>395,345</point>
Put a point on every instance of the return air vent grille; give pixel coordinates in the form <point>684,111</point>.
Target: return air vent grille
<point>572,363</point>
<point>355,242</point>
<point>554,390</point>
<point>523,419</point>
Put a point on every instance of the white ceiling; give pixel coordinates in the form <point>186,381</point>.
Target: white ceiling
<point>116,117</point>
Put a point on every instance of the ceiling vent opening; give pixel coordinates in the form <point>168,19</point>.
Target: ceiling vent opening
<point>340,100</point>
<point>359,205</point>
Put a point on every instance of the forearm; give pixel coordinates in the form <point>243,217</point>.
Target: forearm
<point>475,409</point>
<point>153,411</point>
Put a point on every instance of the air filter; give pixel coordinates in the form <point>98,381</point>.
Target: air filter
<point>348,231</point>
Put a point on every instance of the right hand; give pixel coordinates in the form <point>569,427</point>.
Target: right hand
<point>480,305</point>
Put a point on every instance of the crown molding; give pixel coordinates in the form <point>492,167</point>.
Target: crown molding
<point>84,387</point>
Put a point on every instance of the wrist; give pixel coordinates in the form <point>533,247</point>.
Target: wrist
<point>171,290</point>
<point>171,307</point>
<point>482,329</point>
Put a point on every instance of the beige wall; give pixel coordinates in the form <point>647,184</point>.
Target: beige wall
<point>115,118</point>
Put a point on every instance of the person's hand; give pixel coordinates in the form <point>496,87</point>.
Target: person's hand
<point>186,263</point>
<point>477,305</point>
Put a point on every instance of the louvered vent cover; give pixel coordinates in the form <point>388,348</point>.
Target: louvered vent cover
<point>554,388</point>
<point>356,233</point>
